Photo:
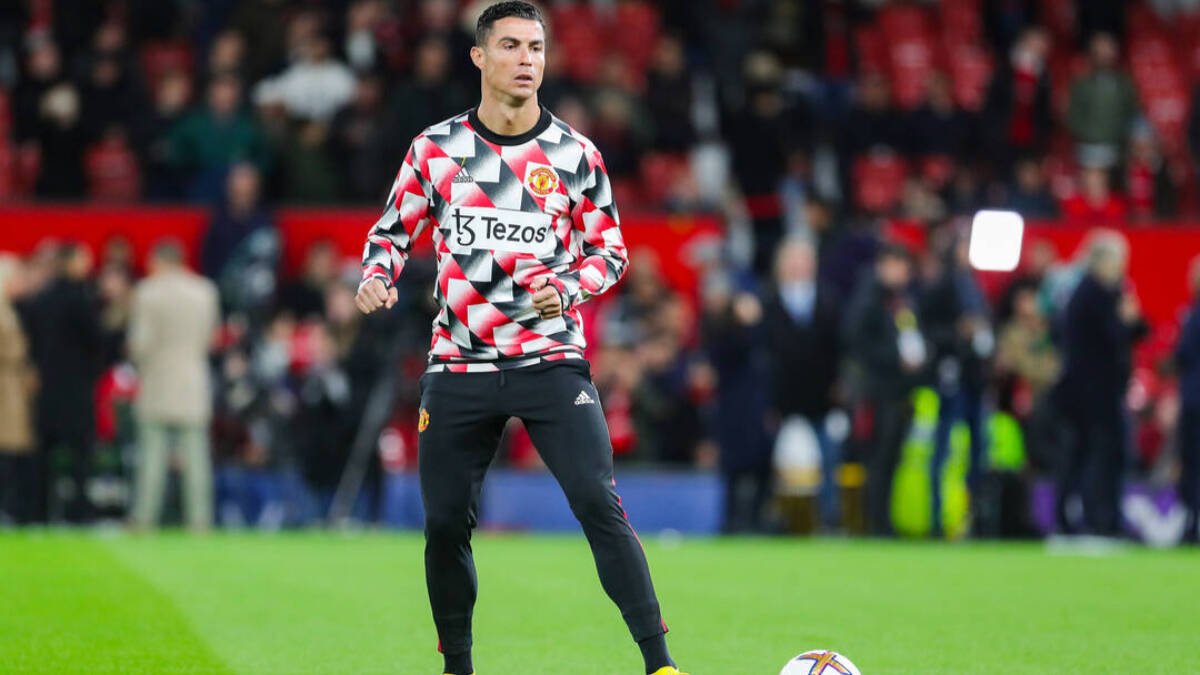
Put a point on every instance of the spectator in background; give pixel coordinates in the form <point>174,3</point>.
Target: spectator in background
<point>665,405</point>
<point>1016,114</point>
<point>1187,361</point>
<point>428,94</point>
<point>1027,366</point>
<point>115,287</point>
<point>1029,195</point>
<point>759,137</point>
<point>174,317</point>
<point>872,123</point>
<point>801,319</point>
<point>732,336</point>
<point>1102,322</point>
<point>17,381</point>
<point>241,214</point>
<point>111,96</point>
<point>1103,106</point>
<point>64,332</point>
<point>358,139</point>
<point>241,245</point>
<point>266,22</point>
<point>669,96</point>
<point>209,140</point>
<point>1094,203</point>
<point>316,86</point>
<point>954,317</point>
<point>939,127</point>
<point>883,338</point>
<point>310,175</point>
<point>1147,176</point>
<point>325,419</point>
<point>164,180</point>
<point>304,297</point>
<point>49,122</point>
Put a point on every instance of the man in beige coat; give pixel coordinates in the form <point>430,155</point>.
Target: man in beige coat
<point>174,316</point>
<point>17,470</point>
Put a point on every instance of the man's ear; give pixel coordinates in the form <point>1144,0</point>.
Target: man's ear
<point>477,57</point>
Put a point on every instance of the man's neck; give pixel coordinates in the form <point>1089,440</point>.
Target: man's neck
<point>509,120</point>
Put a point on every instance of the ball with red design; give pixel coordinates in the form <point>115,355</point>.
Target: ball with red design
<point>820,662</point>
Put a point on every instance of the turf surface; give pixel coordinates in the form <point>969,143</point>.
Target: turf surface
<point>330,603</point>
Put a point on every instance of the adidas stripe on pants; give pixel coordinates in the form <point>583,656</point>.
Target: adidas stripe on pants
<point>466,414</point>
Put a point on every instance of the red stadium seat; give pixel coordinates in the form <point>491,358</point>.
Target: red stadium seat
<point>112,171</point>
<point>909,45</point>
<point>635,32</point>
<point>872,54</point>
<point>879,182</point>
<point>970,69</point>
<point>961,21</point>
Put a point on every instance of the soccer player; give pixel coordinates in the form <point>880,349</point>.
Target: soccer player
<point>525,229</point>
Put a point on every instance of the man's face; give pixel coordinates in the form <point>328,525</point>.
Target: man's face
<point>514,58</point>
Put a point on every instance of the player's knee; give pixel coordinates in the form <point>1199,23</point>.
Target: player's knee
<point>446,527</point>
<point>594,503</point>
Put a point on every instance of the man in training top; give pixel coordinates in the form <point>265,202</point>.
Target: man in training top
<point>525,229</point>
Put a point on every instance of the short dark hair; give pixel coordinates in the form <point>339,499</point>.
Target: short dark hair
<point>169,251</point>
<point>503,10</point>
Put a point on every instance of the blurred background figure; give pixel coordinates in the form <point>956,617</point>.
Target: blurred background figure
<point>1102,323</point>
<point>732,335</point>
<point>955,320</point>
<point>63,321</point>
<point>1103,106</point>
<point>1187,360</point>
<point>801,321</point>
<point>883,337</point>
<point>175,314</point>
<point>17,383</point>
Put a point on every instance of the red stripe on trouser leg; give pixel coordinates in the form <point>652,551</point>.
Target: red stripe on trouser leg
<point>439,646</point>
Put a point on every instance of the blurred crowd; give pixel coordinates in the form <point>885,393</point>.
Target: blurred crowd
<point>816,358</point>
<point>923,109</point>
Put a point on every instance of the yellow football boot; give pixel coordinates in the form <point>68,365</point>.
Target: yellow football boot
<point>669,670</point>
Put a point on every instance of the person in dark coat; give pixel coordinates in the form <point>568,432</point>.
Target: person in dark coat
<point>732,338</point>
<point>956,321</point>
<point>883,338</point>
<point>1101,325</point>
<point>1187,360</point>
<point>801,319</point>
<point>66,343</point>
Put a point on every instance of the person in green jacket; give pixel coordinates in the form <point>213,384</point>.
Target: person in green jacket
<point>1103,106</point>
<point>210,139</point>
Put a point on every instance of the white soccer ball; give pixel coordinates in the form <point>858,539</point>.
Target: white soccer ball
<point>820,662</point>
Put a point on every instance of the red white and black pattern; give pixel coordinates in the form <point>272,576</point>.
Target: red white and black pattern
<point>503,211</point>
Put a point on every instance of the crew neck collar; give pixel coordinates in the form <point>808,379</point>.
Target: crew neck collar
<point>480,128</point>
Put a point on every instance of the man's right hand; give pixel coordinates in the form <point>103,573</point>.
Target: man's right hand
<point>372,295</point>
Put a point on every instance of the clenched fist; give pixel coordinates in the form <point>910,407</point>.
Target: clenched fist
<point>546,300</point>
<point>372,295</point>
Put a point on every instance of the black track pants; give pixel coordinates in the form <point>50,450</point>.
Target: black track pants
<point>561,410</point>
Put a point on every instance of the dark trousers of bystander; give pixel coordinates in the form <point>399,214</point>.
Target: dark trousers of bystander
<point>893,417</point>
<point>1093,468</point>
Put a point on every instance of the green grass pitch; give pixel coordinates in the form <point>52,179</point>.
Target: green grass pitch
<point>349,604</point>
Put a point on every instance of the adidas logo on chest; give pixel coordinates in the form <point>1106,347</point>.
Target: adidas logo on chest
<point>583,398</point>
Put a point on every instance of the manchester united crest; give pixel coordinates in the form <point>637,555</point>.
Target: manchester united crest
<point>423,420</point>
<point>541,180</point>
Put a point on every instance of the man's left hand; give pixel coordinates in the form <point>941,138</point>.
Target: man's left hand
<point>546,300</point>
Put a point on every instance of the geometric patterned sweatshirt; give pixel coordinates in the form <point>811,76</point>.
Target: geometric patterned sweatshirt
<point>503,211</point>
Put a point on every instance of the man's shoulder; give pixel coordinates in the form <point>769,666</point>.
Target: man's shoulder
<point>569,134</point>
<point>443,129</point>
